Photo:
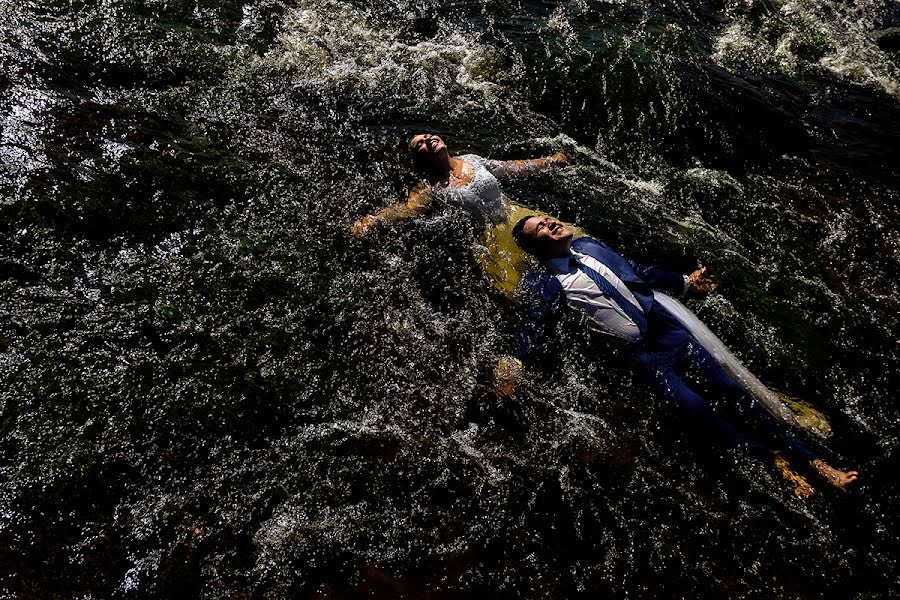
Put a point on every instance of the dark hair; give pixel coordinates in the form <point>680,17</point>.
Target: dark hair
<point>522,239</point>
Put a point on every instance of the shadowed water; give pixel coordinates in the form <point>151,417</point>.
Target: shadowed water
<point>210,389</point>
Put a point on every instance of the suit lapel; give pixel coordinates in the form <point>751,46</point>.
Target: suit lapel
<point>618,265</point>
<point>604,254</point>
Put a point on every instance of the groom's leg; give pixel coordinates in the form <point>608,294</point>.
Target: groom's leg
<point>669,383</point>
<point>721,384</point>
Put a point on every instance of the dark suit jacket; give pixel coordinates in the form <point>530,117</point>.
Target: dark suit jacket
<point>540,292</point>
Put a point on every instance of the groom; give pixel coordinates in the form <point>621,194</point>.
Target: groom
<point>617,296</point>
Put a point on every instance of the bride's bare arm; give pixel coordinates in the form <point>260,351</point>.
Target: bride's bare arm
<point>419,200</point>
<point>506,169</point>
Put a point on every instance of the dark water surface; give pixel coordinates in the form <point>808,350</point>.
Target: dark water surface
<point>209,389</point>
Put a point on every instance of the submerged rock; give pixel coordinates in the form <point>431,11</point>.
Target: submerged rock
<point>888,39</point>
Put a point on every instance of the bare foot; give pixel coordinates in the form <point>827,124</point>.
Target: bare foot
<point>839,479</point>
<point>802,488</point>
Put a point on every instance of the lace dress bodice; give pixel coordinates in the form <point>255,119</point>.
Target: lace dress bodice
<point>481,195</point>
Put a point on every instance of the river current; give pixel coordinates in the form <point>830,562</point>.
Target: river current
<point>210,389</point>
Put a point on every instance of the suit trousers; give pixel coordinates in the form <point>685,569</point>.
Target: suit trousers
<point>717,404</point>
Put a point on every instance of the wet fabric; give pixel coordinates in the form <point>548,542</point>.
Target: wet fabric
<point>793,411</point>
<point>665,356</point>
<point>481,194</point>
<point>718,406</point>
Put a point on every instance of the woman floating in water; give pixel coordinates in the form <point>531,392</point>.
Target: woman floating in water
<point>468,180</point>
<point>472,182</point>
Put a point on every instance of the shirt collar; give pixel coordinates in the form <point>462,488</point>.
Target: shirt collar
<point>562,264</point>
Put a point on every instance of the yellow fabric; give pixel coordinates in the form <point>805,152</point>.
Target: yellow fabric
<point>501,260</point>
<point>807,416</point>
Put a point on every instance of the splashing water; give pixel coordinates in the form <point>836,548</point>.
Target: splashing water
<point>211,390</point>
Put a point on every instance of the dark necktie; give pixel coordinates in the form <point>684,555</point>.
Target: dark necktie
<point>634,313</point>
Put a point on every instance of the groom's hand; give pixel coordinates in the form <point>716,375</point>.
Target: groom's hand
<point>507,373</point>
<point>700,284</point>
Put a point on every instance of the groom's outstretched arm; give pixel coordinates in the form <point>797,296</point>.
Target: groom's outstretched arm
<point>697,283</point>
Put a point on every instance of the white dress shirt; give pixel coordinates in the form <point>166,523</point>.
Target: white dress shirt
<point>585,295</point>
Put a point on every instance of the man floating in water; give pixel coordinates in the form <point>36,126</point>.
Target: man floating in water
<point>617,296</point>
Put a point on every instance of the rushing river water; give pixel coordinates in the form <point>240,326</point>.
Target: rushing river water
<point>210,389</point>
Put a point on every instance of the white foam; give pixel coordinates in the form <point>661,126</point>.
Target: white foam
<point>21,144</point>
<point>844,29</point>
<point>332,44</point>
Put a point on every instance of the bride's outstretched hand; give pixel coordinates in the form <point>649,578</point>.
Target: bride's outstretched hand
<point>700,283</point>
<point>560,160</point>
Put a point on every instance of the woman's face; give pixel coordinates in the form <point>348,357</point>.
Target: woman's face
<point>428,149</point>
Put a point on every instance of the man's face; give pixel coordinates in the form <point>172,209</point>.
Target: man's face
<point>550,237</point>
